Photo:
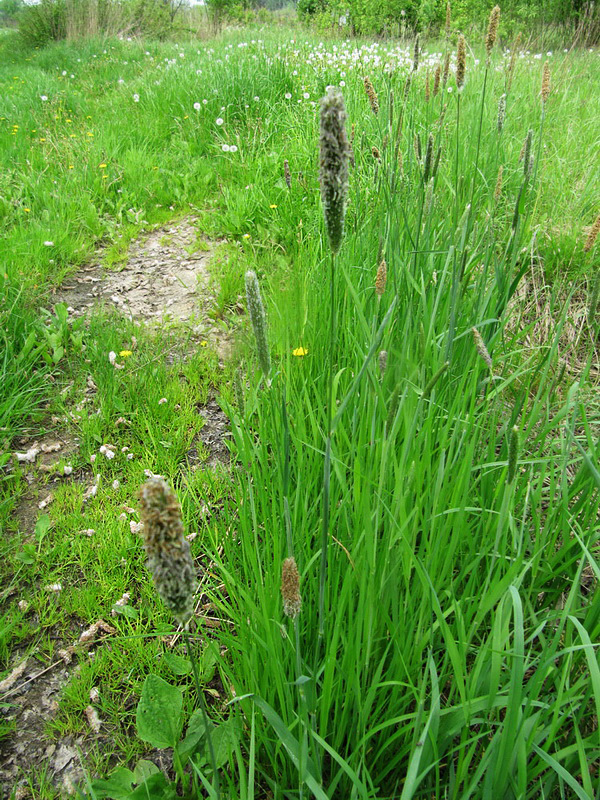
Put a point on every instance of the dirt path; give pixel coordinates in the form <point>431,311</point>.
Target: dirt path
<point>165,278</point>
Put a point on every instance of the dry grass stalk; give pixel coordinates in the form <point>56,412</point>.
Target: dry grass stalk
<point>286,173</point>
<point>427,89</point>
<point>501,112</point>
<point>448,19</point>
<point>416,54</point>
<point>375,153</point>
<point>513,60</point>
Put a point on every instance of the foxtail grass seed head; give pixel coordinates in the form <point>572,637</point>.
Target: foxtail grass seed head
<point>372,95</point>
<point>501,112</point>
<point>446,72</point>
<point>545,83</point>
<point>400,163</point>
<point>407,83</point>
<point>376,154</point>
<point>416,54</point>
<point>529,169</point>
<point>481,348</point>
<point>427,87</point>
<point>286,174</point>
<point>437,76</point>
<point>430,386</point>
<point>513,453</point>
<point>290,588</point>
<point>498,189</point>
<point>168,552</point>
<point>391,108</point>
<point>448,19</point>
<point>238,390</point>
<point>592,235</point>
<point>526,151</point>
<point>428,205</point>
<point>385,142</point>
<point>418,150</point>
<point>492,31</point>
<point>461,62</point>
<point>258,318</point>
<point>428,158</point>
<point>334,165</point>
<point>383,357</point>
<point>381,278</point>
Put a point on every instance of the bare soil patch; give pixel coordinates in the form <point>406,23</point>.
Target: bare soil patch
<point>165,279</point>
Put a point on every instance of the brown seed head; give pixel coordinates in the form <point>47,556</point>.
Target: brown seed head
<point>446,69</point>
<point>290,588</point>
<point>286,173</point>
<point>372,95</point>
<point>545,83</point>
<point>481,348</point>
<point>383,357</point>
<point>592,235</point>
<point>381,278</point>
<point>448,16</point>
<point>492,31</point>
<point>376,154</point>
<point>436,80</point>
<point>498,190</point>
<point>427,89</point>
<point>461,62</point>
<point>416,54</point>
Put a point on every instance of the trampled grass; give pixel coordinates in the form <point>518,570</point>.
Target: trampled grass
<point>458,656</point>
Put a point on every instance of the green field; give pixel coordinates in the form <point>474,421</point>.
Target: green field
<point>441,502</point>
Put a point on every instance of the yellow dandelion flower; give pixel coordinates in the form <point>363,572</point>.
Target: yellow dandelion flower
<point>42,139</point>
<point>101,166</point>
<point>203,344</point>
<point>71,166</point>
<point>27,210</point>
<point>246,236</point>
<point>299,351</point>
<point>125,353</point>
<point>273,205</point>
<point>89,133</point>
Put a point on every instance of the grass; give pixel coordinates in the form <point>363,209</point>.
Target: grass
<point>458,656</point>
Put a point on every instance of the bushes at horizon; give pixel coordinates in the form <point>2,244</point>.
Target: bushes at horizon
<point>396,17</point>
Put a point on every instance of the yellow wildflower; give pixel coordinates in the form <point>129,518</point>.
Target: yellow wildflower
<point>27,210</point>
<point>299,351</point>
<point>125,353</point>
<point>101,166</point>
<point>272,205</point>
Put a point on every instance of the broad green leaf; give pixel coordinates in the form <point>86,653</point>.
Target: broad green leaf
<point>177,664</point>
<point>116,787</point>
<point>143,770</point>
<point>42,526</point>
<point>158,716</point>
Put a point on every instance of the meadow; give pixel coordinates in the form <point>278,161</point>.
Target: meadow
<point>418,429</point>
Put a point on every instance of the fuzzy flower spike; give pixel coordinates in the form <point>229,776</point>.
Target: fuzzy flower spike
<point>169,557</point>
<point>334,165</point>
